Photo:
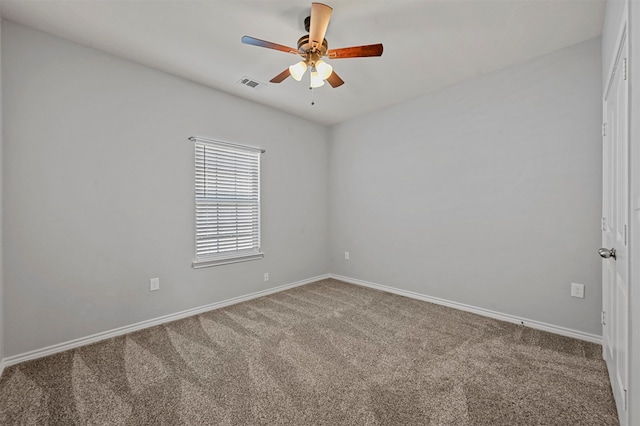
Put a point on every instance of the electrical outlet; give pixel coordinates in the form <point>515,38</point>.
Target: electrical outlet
<point>154,284</point>
<point>577,290</point>
<point>266,276</point>
<point>346,255</point>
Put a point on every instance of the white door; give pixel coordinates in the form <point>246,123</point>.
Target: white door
<point>615,270</point>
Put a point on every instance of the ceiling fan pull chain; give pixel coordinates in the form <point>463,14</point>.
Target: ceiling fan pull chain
<point>312,101</point>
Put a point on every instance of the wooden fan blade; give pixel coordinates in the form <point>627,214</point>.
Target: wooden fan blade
<point>334,80</point>
<point>280,77</point>
<point>320,15</point>
<point>356,51</point>
<point>268,44</point>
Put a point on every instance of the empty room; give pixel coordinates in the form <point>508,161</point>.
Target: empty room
<point>281,212</point>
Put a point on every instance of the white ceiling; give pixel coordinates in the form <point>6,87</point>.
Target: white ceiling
<point>427,44</point>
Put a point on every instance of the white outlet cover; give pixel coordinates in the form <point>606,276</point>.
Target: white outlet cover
<point>154,284</point>
<point>577,290</point>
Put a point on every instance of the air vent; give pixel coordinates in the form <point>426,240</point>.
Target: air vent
<point>251,83</point>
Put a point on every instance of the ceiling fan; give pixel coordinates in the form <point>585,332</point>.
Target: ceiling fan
<point>313,47</point>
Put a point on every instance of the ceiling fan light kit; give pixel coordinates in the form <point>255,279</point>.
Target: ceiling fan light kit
<point>315,81</point>
<point>324,69</point>
<point>298,70</point>
<point>312,48</point>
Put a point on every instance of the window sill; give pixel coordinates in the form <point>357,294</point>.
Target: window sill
<point>197,264</point>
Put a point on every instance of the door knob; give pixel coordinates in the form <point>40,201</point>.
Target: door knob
<point>607,253</point>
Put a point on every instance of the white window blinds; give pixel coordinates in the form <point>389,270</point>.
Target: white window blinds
<point>227,193</point>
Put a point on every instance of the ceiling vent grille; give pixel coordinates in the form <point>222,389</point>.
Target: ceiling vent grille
<point>251,83</point>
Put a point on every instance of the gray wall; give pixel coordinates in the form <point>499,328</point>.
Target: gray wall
<point>486,193</point>
<point>99,191</point>
<point>1,213</point>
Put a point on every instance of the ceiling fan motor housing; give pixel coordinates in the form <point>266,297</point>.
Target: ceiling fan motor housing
<point>312,54</point>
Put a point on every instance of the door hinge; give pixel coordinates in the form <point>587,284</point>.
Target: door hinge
<point>624,69</point>
<point>625,235</point>
<point>604,129</point>
<point>624,399</point>
<point>603,318</point>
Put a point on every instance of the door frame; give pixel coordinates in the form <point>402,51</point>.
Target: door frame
<point>633,215</point>
<point>631,19</point>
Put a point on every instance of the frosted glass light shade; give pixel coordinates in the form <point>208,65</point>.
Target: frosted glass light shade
<point>324,69</point>
<point>316,81</point>
<point>298,70</point>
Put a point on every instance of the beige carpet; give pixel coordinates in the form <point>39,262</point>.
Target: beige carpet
<point>326,353</point>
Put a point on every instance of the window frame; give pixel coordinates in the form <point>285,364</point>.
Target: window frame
<point>253,202</point>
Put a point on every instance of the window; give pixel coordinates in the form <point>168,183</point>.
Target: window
<point>227,203</point>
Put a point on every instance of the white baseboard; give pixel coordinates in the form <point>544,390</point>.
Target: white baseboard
<point>563,331</point>
<point>82,341</point>
<point>76,343</point>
